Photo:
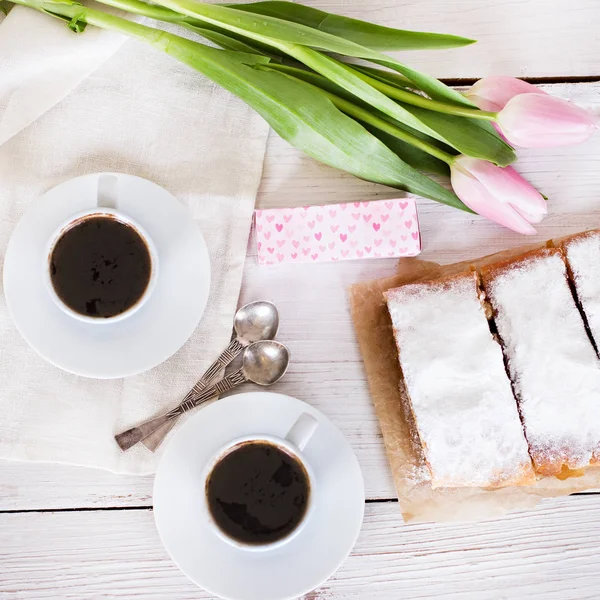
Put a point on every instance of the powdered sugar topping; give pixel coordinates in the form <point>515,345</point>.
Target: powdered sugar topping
<point>460,394</point>
<point>551,361</point>
<point>583,255</point>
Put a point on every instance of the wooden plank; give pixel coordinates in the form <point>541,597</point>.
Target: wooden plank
<point>342,395</point>
<point>549,553</point>
<point>315,322</point>
<point>532,38</point>
<point>569,176</point>
<point>34,486</point>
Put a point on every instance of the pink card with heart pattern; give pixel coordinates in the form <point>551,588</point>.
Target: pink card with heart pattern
<point>354,230</point>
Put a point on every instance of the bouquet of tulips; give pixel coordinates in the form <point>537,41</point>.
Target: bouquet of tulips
<point>390,124</point>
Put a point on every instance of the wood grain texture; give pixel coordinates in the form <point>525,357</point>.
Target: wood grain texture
<point>548,553</point>
<point>338,388</point>
<point>568,176</point>
<point>315,320</point>
<point>522,38</point>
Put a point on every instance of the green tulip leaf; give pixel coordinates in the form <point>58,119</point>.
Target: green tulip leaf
<point>299,112</point>
<point>299,41</point>
<point>376,37</point>
<point>409,154</point>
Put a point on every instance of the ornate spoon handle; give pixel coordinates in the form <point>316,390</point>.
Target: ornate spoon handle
<point>227,356</point>
<point>154,440</point>
<point>132,436</point>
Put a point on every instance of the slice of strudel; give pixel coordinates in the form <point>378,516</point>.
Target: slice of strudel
<point>459,393</point>
<point>551,361</point>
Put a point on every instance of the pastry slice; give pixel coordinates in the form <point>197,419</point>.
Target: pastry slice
<point>582,252</point>
<point>460,396</point>
<point>551,361</point>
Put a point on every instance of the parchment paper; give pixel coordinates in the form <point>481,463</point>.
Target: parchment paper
<point>418,501</point>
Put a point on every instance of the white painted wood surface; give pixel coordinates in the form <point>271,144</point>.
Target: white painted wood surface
<point>522,38</point>
<point>549,553</point>
<point>112,551</point>
<point>313,303</point>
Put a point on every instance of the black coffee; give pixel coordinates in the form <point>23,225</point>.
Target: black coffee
<point>258,493</point>
<point>100,267</point>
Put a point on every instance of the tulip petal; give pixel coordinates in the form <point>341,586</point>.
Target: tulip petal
<point>507,186</point>
<point>492,93</point>
<point>542,121</point>
<point>535,219</point>
<point>483,103</point>
<point>499,132</point>
<point>475,195</point>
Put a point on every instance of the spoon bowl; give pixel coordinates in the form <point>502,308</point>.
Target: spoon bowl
<point>265,362</point>
<point>256,321</point>
<point>252,322</point>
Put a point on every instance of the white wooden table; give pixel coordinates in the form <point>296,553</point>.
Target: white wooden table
<point>73,533</point>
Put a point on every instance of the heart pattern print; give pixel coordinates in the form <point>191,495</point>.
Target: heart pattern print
<point>350,231</point>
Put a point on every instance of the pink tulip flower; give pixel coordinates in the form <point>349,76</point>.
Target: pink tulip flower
<point>499,194</point>
<point>492,93</point>
<point>542,121</point>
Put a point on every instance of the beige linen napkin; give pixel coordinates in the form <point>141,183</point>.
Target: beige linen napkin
<point>71,105</point>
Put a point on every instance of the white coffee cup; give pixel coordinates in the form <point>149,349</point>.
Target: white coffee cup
<point>107,205</point>
<point>292,444</point>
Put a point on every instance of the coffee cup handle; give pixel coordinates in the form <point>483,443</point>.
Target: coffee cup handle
<point>301,431</point>
<point>107,194</point>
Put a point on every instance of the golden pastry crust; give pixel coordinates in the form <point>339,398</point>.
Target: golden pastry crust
<point>568,240</point>
<point>491,272</point>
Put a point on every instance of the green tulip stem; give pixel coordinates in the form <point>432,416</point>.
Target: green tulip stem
<point>362,114</point>
<point>422,102</point>
<point>365,116</point>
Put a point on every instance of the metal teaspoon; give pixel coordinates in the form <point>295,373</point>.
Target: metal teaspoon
<point>264,363</point>
<point>252,322</point>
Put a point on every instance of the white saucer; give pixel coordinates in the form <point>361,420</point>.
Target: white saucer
<point>145,339</point>
<point>308,559</point>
